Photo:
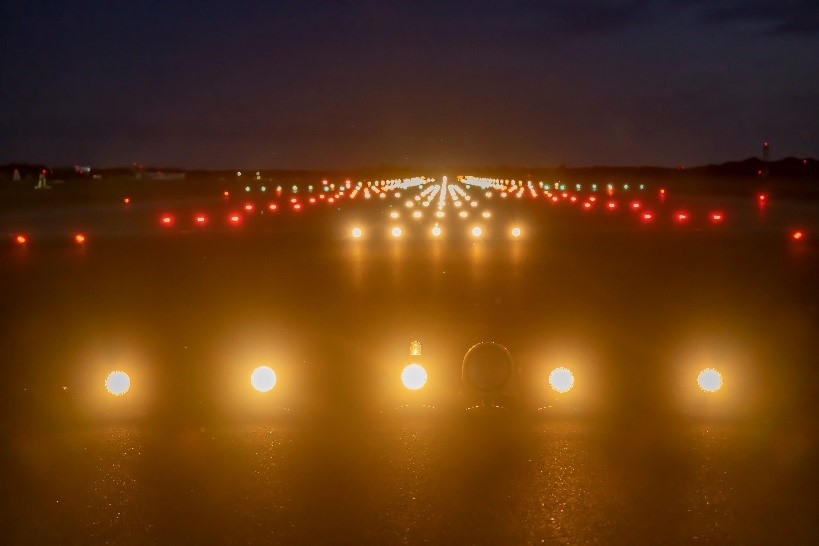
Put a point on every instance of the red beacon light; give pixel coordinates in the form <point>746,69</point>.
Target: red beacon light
<point>20,239</point>
<point>797,235</point>
<point>297,206</point>
<point>126,200</point>
<point>717,217</point>
<point>762,198</point>
<point>79,238</point>
<point>587,205</point>
<point>166,220</point>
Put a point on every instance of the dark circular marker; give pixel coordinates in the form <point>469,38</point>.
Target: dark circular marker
<point>487,366</point>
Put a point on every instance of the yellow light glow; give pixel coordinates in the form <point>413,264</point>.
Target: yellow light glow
<point>463,214</point>
<point>414,377</point>
<point>396,232</point>
<point>436,231</point>
<point>417,214</point>
<point>440,214</point>
<point>263,378</point>
<point>117,383</point>
<point>486,214</point>
<point>709,380</point>
<point>356,232</point>
<point>515,232</point>
<point>561,379</point>
<point>394,215</point>
<point>476,231</point>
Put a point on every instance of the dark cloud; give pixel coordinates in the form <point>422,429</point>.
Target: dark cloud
<point>780,17</point>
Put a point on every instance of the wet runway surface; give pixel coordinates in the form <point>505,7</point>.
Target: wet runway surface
<point>636,453</point>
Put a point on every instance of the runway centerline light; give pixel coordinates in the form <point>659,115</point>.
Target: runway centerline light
<point>561,379</point>
<point>414,377</point>
<point>396,232</point>
<point>476,231</point>
<point>356,232</point>
<point>263,378</point>
<point>709,380</point>
<point>436,231</point>
<point>117,383</point>
<point>515,232</point>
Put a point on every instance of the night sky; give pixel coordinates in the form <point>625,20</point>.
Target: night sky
<point>279,84</point>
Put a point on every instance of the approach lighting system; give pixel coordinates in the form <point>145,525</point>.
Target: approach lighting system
<point>396,232</point>
<point>561,379</point>
<point>117,383</point>
<point>263,378</point>
<point>414,377</point>
<point>356,232</point>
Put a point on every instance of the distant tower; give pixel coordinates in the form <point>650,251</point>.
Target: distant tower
<point>766,157</point>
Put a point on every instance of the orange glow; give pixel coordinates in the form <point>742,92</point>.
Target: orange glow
<point>166,220</point>
<point>587,205</point>
<point>79,238</point>
<point>762,197</point>
<point>20,239</point>
<point>126,200</point>
<point>226,194</point>
<point>297,206</point>
<point>797,235</point>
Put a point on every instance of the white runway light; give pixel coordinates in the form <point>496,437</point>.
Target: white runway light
<point>561,379</point>
<point>117,383</point>
<point>414,377</point>
<point>356,232</point>
<point>263,379</point>
<point>709,380</point>
<point>476,232</point>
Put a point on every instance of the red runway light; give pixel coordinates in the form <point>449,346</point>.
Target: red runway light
<point>762,197</point>
<point>126,200</point>
<point>797,235</point>
<point>249,207</point>
<point>234,219</point>
<point>648,216</point>
<point>611,205</point>
<point>681,216</point>
<point>21,239</point>
<point>716,217</point>
<point>312,200</point>
<point>200,219</point>
<point>166,220</point>
<point>587,205</point>
<point>272,206</point>
<point>297,206</point>
<point>635,205</point>
<point>79,238</point>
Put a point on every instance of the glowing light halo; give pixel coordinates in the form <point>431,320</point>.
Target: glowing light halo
<point>263,378</point>
<point>709,380</point>
<point>356,232</point>
<point>561,379</point>
<point>413,377</point>
<point>117,383</point>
